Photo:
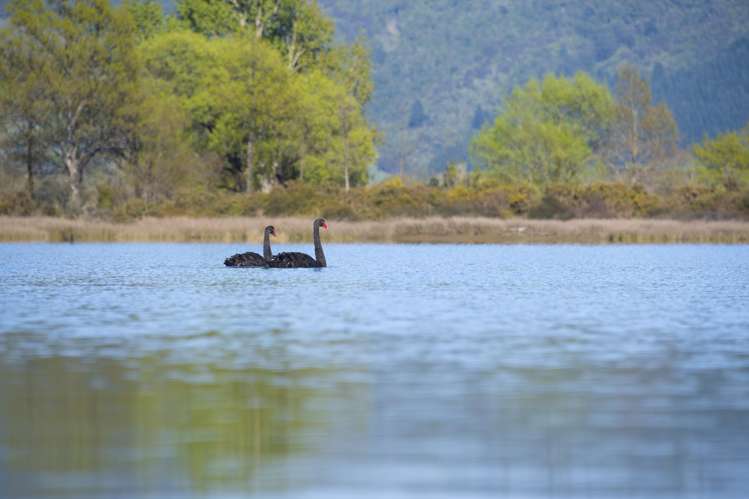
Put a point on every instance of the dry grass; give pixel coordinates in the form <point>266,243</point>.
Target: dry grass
<point>429,230</point>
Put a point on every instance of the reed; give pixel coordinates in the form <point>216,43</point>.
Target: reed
<point>401,230</point>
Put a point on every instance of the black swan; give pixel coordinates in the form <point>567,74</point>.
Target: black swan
<point>302,260</point>
<point>251,259</point>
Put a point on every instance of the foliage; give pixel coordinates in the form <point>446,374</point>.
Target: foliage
<point>24,104</point>
<point>457,56</point>
<point>572,129</point>
<point>186,115</point>
<point>298,28</point>
<point>726,158</point>
<point>268,122</point>
<point>548,131</point>
<point>258,85</point>
<point>596,200</point>
<point>148,17</point>
<point>84,52</point>
<point>161,161</point>
<point>643,132</point>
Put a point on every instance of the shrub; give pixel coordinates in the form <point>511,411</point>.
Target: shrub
<point>17,203</point>
<point>596,200</point>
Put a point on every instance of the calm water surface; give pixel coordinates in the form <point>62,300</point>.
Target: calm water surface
<point>131,371</point>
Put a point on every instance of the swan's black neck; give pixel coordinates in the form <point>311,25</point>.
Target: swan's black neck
<point>319,255</point>
<point>266,246</point>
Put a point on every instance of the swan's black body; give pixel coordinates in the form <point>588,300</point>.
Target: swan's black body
<point>291,260</point>
<point>302,260</point>
<point>251,259</point>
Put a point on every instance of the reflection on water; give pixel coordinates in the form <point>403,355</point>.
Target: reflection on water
<point>78,427</point>
<point>400,371</point>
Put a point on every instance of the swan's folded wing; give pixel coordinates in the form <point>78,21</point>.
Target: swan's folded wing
<point>292,260</point>
<point>248,259</point>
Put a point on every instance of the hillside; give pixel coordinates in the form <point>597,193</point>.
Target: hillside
<point>442,67</point>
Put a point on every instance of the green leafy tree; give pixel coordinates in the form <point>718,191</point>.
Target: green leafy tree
<point>269,123</point>
<point>252,103</point>
<point>298,28</point>
<point>161,160</point>
<point>213,17</point>
<point>24,104</point>
<point>85,52</point>
<point>548,131</point>
<point>237,92</point>
<point>541,152</point>
<point>148,16</point>
<point>580,102</point>
<point>726,158</point>
<point>338,143</point>
<point>180,59</point>
<point>303,34</point>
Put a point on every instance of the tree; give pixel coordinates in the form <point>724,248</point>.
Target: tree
<point>643,133</point>
<point>547,132</point>
<point>85,53</point>
<point>24,104</point>
<point>269,123</point>
<point>540,152</point>
<point>238,94</point>
<point>298,28</point>
<point>148,16</point>
<point>726,157</point>
<point>579,101</point>
<point>253,102</point>
<point>160,160</point>
<point>418,117</point>
<point>661,134</point>
<point>479,118</point>
<point>211,17</point>
<point>338,143</point>
<point>303,34</point>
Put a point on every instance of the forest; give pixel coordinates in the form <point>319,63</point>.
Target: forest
<point>227,108</point>
<point>443,68</point>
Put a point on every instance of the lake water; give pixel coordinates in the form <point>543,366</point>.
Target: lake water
<point>150,370</point>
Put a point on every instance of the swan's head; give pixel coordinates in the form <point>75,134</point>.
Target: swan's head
<point>320,222</point>
<point>270,230</point>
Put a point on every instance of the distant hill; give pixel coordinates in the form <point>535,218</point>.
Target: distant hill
<point>442,67</point>
<point>453,61</point>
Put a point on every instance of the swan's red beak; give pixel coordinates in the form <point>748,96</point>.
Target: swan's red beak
<point>325,226</point>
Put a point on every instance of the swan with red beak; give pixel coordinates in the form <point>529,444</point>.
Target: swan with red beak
<point>302,260</point>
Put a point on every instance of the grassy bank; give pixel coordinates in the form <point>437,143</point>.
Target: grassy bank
<point>404,230</point>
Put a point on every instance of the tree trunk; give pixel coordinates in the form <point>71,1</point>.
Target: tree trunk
<point>635,139</point>
<point>239,12</point>
<point>30,167</point>
<point>72,164</point>
<point>259,26</point>
<point>248,164</point>
<point>345,165</point>
<point>266,184</point>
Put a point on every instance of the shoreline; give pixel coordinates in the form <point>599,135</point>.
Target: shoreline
<point>468,230</point>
